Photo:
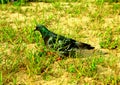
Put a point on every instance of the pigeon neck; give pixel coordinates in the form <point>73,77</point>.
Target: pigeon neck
<point>44,32</point>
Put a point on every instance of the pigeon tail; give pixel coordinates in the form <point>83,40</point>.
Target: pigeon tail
<point>85,46</point>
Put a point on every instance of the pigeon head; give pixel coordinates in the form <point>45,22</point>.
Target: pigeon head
<point>41,28</point>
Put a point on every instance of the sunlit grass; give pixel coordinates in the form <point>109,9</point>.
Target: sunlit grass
<point>23,55</point>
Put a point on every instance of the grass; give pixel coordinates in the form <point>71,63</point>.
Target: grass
<point>107,40</point>
<point>24,59</point>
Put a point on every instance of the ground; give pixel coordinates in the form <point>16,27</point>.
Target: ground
<point>25,60</point>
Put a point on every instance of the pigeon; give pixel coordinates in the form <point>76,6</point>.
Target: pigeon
<point>65,46</point>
